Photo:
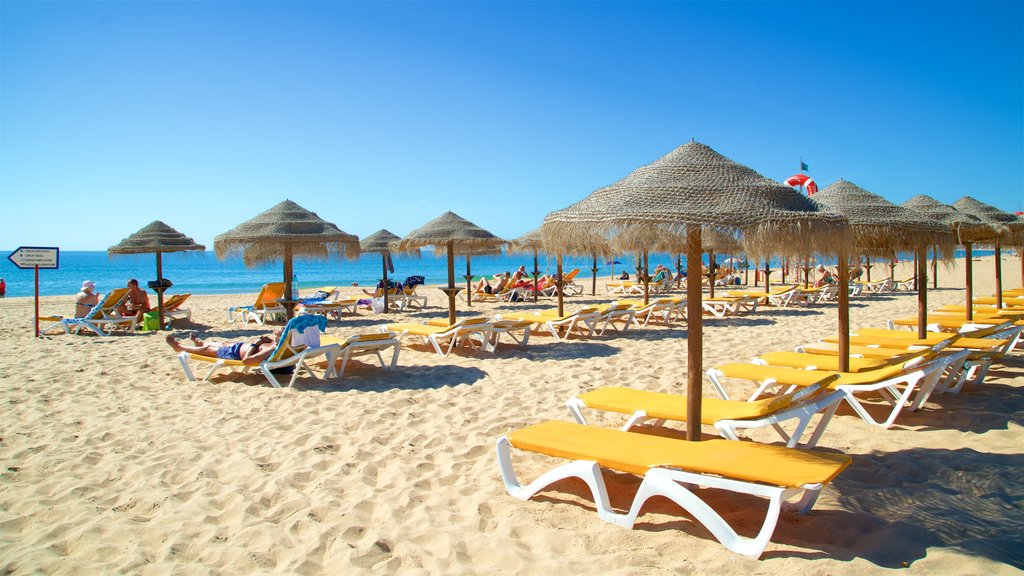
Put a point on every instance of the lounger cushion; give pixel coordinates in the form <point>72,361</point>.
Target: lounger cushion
<point>979,343</point>
<point>638,453</point>
<point>781,374</point>
<point>801,360</point>
<point>673,407</point>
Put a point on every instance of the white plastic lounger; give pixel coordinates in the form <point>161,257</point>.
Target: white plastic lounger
<point>361,345</point>
<point>672,468</point>
<point>728,416</point>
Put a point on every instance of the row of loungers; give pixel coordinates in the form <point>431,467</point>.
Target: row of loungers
<point>904,369</point>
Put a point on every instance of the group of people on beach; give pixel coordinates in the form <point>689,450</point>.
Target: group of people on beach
<point>136,304</point>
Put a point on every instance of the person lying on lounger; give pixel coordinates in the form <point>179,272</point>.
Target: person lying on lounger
<point>247,352</point>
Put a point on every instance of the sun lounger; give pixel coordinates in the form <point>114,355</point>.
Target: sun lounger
<point>665,308</point>
<point>510,327</point>
<point>896,383</point>
<point>806,361</point>
<point>729,305</point>
<point>102,319</point>
<point>905,285</point>
<point>360,345</point>
<point>883,285</point>
<point>173,309</point>
<point>779,297</point>
<point>299,342</point>
<point>612,313</point>
<point>465,331</point>
<point>582,322</point>
<point>625,288</point>
<point>264,309</point>
<point>671,468</point>
<point>728,416</point>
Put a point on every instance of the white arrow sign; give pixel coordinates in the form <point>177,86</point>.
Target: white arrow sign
<point>32,256</point>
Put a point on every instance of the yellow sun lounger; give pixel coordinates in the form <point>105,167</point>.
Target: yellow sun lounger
<point>465,331</point>
<point>671,468</point>
<point>583,322</point>
<point>859,351</point>
<point>360,345</point>
<point>173,309</point>
<point>265,308</point>
<point>665,308</point>
<point>723,306</point>
<point>806,361</point>
<point>920,373</point>
<point>728,416</point>
<point>780,296</point>
<point>612,313</point>
<point>510,327</point>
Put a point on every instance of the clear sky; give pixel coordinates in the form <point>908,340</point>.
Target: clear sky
<point>384,115</point>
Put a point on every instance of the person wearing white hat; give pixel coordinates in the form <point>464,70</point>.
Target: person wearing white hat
<point>85,299</point>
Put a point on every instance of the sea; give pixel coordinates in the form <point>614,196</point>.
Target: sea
<point>204,273</point>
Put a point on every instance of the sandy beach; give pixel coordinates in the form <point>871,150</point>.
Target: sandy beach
<point>111,462</point>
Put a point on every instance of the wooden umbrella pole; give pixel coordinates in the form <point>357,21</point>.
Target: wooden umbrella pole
<point>469,283</point>
<point>844,313</point>
<point>159,291</point>
<point>559,284</point>
<point>785,269</point>
<point>288,281</point>
<point>694,336</point>
<point>536,274</point>
<point>969,271</point>
<point>452,291</point>
<point>935,267</point>
<point>1020,251</point>
<point>922,292</point>
<point>647,281</point>
<point>711,274</point>
<point>384,266</point>
<point>593,280</point>
<point>746,271</point>
<point>867,266</point>
<point>999,277</point>
<point>755,273</point>
<point>807,273</point>
<point>892,273</point>
<point>916,270</point>
<point>767,271</point>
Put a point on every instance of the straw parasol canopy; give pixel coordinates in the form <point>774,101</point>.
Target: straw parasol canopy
<point>452,234</point>
<point>156,237</point>
<point>966,227</point>
<point>657,204</point>
<point>1003,224</point>
<point>285,231</point>
<point>381,242</point>
<point>881,228</point>
<point>676,197</point>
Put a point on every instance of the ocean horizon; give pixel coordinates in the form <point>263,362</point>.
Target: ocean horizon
<point>203,273</point>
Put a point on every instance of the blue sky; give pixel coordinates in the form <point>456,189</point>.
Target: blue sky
<point>384,115</point>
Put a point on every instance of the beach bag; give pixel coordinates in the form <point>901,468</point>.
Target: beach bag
<point>151,321</point>
<point>377,305</point>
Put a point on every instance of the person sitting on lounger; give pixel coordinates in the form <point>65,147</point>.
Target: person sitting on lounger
<point>483,286</point>
<point>824,277</point>
<point>86,299</point>
<point>624,276</point>
<point>248,352</point>
<point>137,302</point>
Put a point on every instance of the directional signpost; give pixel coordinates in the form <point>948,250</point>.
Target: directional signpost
<point>36,257</point>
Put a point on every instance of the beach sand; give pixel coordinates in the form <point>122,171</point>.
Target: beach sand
<point>111,462</point>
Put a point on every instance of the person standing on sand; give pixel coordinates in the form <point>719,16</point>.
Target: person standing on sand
<point>3,288</point>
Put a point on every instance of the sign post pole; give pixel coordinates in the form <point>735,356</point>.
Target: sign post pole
<point>35,332</point>
<point>36,257</point>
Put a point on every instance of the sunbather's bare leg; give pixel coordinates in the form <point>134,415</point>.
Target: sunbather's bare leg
<point>202,349</point>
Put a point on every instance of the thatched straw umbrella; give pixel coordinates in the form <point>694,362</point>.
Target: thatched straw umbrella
<point>963,225</point>
<point>881,228</point>
<point>525,244</point>
<point>1003,224</point>
<point>380,242</point>
<point>159,238</point>
<point>690,189</point>
<point>285,231</point>
<point>456,235</point>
